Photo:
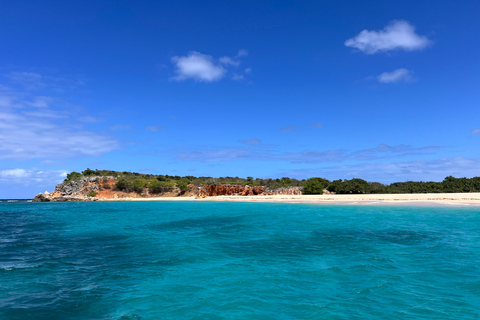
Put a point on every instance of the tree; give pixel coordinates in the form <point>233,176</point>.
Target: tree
<point>124,185</point>
<point>156,186</point>
<point>183,184</point>
<point>89,172</point>
<point>315,186</point>
<point>139,185</point>
<point>73,176</point>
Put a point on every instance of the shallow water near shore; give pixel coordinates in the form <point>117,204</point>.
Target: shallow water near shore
<point>226,260</point>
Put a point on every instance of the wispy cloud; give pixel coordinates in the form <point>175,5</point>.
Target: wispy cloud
<point>398,35</point>
<point>290,128</point>
<point>251,141</point>
<point>202,67</point>
<point>317,125</point>
<point>399,75</point>
<point>382,151</point>
<point>53,163</point>
<point>476,131</point>
<point>31,176</point>
<point>31,129</point>
<point>154,128</point>
<point>33,81</point>
<point>417,170</point>
<point>214,155</point>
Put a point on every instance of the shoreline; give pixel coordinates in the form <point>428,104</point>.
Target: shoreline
<point>348,199</point>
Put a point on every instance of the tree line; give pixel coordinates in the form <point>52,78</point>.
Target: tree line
<point>138,182</point>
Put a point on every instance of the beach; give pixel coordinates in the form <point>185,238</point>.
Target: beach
<point>416,198</point>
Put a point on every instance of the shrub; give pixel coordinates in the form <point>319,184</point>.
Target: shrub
<point>124,185</point>
<point>73,176</point>
<point>183,184</point>
<point>156,186</point>
<point>139,185</point>
<point>315,186</point>
<point>89,172</point>
<point>92,194</point>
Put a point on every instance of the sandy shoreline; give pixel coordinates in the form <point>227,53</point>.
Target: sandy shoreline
<point>417,199</point>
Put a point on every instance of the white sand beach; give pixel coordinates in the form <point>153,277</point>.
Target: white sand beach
<point>418,199</point>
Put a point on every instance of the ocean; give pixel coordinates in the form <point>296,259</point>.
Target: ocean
<point>225,260</point>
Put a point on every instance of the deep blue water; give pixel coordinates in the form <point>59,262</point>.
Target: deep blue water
<point>221,260</point>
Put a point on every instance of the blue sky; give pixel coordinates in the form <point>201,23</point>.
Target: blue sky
<point>380,90</point>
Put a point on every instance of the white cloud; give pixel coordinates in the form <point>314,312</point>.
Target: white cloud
<point>28,176</point>
<point>14,174</point>
<point>25,137</point>
<point>242,53</point>
<point>399,75</point>
<point>197,66</point>
<point>32,130</point>
<point>476,131</point>
<point>202,67</point>
<point>398,35</point>
<point>34,81</point>
<point>41,102</point>
<point>229,61</point>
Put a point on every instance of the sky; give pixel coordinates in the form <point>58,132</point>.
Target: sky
<point>380,90</point>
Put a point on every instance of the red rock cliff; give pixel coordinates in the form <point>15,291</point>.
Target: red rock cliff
<point>213,190</point>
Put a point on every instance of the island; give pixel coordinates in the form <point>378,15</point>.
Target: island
<point>107,185</point>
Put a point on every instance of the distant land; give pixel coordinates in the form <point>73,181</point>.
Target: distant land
<point>98,185</point>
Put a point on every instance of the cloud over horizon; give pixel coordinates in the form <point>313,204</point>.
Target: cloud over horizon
<point>30,128</point>
<point>25,176</point>
<point>397,35</point>
<point>416,170</point>
<point>382,151</point>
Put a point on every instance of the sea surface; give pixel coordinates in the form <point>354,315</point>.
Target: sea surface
<point>225,260</point>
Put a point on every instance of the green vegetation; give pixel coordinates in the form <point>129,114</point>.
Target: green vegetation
<point>138,182</point>
<point>73,176</point>
<point>92,194</point>
<point>315,186</point>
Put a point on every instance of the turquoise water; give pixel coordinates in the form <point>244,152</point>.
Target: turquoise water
<point>219,260</point>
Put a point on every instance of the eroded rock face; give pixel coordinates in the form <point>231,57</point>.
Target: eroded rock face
<point>82,187</point>
<point>213,190</point>
<point>102,188</point>
<point>287,191</point>
<point>76,190</point>
<point>41,197</point>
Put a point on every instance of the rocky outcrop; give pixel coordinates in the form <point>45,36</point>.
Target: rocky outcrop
<point>287,191</point>
<point>213,190</point>
<point>83,187</point>
<point>102,188</point>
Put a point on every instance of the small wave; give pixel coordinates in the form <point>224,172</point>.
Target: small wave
<point>9,267</point>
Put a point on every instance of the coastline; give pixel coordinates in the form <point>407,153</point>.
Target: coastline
<point>353,199</point>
